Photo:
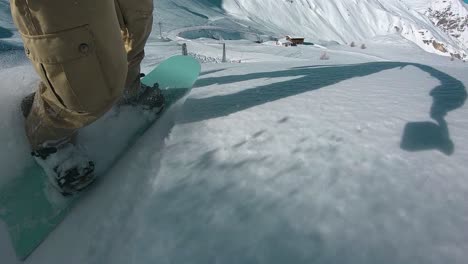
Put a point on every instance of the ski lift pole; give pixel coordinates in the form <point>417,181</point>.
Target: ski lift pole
<point>184,49</point>
<point>224,53</point>
<point>160,29</point>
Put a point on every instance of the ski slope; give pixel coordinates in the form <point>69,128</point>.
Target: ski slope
<point>281,158</point>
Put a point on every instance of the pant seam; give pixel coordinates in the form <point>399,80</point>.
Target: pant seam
<point>32,22</point>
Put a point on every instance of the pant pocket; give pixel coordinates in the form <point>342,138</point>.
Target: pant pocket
<point>69,65</point>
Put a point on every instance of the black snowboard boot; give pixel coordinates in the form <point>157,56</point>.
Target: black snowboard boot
<point>67,166</point>
<point>148,98</point>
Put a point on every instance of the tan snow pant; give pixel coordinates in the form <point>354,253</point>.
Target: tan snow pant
<point>85,53</point>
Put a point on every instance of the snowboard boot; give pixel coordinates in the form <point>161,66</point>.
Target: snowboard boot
<point>148,98</point>
<point>67,166</point>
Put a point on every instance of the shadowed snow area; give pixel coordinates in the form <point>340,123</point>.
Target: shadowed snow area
<point>277,157</point>
<point>5,33</point>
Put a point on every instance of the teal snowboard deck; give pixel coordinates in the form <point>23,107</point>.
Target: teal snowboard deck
<point>29,207</point>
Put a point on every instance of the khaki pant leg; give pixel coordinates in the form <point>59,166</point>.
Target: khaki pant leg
<point>77,50</point>
<point>136,21</point>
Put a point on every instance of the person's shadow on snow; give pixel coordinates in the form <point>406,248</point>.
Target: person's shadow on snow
<point>448,96</point>
<point>417,136</point>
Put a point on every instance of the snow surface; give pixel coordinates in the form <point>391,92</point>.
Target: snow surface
<point>419,5</point>
<point>281,158</point>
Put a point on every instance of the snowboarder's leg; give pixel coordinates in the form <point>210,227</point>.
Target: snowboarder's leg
<point>77,49</point>
<point>136,20</point>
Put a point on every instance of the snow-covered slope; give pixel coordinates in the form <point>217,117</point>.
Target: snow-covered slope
<point>418,5</point>
<point>345,21</point>
<point>290,161</point>
<point>283,158</point>
<point>6,24</point>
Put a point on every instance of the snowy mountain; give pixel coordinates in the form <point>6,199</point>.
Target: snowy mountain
<point>451,16</point>
<point>437,26</point>
<point>345,21</point>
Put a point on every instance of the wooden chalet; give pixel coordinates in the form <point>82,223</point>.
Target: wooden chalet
<point>295,41</point>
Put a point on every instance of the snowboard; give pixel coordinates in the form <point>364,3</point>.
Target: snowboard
<point>31,209</point>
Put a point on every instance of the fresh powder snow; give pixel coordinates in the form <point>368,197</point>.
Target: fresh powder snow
<point>277,156</point>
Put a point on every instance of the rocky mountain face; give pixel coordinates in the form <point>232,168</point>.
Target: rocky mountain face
<point>452,17</point>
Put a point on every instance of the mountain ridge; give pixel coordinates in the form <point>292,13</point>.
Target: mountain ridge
<point>350,20</point>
